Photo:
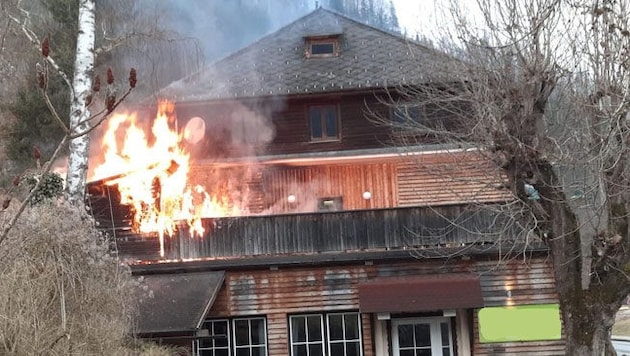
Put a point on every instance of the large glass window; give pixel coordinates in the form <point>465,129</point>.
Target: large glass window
<point>334,334</point>
<point>324,123</point>
<point>422,337</point>
<point>238,337</point>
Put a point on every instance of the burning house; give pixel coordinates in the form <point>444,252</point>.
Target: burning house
<point>267,213</point>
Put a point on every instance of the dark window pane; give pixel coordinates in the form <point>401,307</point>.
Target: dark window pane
<point>405,335</point>
<point>399,115</point>
<point>205,343</point>
<point>336,349</point>
<point>299,350</point>
<point>353,349</point>
<point>241,328</point>
<point>205,353</point>
<point>335,323</point>
<point>314,328</point>
<point>331,122</point>
<point>322,48</point>
<point>315,115</point>
<point>423,334</point>
<point>316,350</point>
<point>242,352</point>
<point>258,331</point>
<point>407,353</point>
<point>259,351</point>
<point>414,113</point>
<point>423,352</point>
<point>298,329</point>
<point>446,351</point>
<point>220,328</point>
<point>445,333</point>
<point>352,326</point>
<point>221,342</point>
<point>222,352</point>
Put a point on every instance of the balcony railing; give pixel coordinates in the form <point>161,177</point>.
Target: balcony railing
<point>360,230</point>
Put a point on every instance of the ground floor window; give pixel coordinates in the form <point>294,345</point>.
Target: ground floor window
<point>235,337</point>
<point>422,337</point>
<point>332,334</point>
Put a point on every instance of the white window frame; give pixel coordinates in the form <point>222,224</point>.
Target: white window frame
<point>231,336</point>
<point>325,331</point>
<point>249,346</point>
<point>214,348</point>
<point>307,342</point>
<point>435,330</point>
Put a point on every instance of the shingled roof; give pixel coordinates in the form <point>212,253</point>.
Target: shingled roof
<point>277,64</point>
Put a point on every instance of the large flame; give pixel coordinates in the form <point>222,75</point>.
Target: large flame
<point>152,175</point>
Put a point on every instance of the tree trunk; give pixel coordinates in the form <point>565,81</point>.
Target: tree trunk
<point>588,314</point>
<point>79,113</point>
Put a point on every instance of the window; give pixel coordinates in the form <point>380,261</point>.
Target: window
<point>250,337</point>
<point>217,342</point>
<point>422,337</point>
<point>238,337</point>
<point>323,122</point>
<point>327,46</point>
<point>406,114</point>
<point>330,204</point>
<point>335,334</point>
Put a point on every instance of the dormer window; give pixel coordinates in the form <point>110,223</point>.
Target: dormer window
<point>322,46</point>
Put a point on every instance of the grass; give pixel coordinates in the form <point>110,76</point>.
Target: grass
<point>622,324</point>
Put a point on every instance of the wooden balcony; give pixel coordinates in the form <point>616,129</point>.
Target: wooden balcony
<point>319,233</point>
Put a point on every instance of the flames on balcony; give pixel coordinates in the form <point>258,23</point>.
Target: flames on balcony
<point>151,176</point>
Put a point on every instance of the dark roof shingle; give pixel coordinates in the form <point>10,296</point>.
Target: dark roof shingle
<point>177,302</point>
<point>277,65</point>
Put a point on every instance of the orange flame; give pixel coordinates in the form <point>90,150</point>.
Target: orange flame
<point>152,178</point>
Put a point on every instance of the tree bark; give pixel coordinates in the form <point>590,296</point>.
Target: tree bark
<point>588,314</point>
<point>79,113</point>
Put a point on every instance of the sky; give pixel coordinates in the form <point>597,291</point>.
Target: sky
<point>409,11</point>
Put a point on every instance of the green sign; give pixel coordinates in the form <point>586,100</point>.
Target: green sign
<point>520,323</point>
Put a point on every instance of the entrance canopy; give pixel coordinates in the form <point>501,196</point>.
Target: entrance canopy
<point>420,293</point>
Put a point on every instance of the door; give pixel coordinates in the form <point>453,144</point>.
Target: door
<point>422,337</point>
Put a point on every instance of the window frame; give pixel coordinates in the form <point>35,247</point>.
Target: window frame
<point>213,349</point>
<point>412,114</point>
<point>435,334</point>
<point>233,345</point>
<point>323,109</point>
<point>325,332</point>
<point>332,40</point>
<point>249,346</point>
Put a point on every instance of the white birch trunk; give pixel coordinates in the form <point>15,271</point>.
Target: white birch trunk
<point>82,83</point>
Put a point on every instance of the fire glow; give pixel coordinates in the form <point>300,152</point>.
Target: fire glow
<point>152,175</point>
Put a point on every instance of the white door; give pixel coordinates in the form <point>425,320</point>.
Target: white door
<point>422,337</point>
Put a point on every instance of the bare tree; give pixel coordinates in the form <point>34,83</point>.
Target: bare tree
<point>541,89</point>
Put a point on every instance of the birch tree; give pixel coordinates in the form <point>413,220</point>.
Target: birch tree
<point>542,90</point>
<point>79,111</point>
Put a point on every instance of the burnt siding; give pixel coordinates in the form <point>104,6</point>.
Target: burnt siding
<point>280,293</point>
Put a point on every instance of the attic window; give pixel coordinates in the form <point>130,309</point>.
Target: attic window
<point>322,46</point>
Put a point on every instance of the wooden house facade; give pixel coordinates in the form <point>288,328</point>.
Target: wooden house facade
<point>343,243</point>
